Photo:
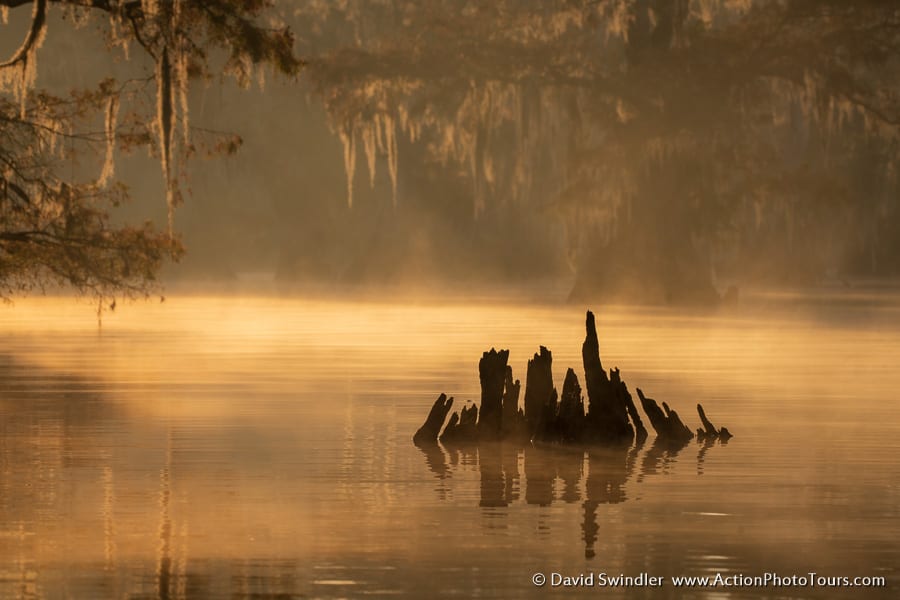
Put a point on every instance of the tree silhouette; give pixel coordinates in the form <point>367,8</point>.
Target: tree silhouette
<point>57,225</point>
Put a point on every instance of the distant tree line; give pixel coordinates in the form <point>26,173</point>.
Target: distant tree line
<point>682,144</point>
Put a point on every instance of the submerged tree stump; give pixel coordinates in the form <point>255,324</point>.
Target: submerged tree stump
<point>709,432</point>
<point>640,432</point>
<point>430,430</point>
<point>539,391</point>
<point>462,426</point>
<point>492,372</point>
<point>569,424</point>
<point>665,421</point>
<point>611,418</point>
<point>607,415</point>
<point>513,419</point>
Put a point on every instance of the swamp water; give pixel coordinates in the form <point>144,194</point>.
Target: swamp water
<point>247,447</point>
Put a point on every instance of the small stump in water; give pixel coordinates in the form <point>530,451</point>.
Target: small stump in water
<point>611,417</point>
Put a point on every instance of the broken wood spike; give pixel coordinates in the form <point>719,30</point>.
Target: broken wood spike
<point>709,430</point>
<point>640,432</point>
<point>429,431</point>
<point>707,425</point>
<point>607,412</point>
<point>665,421</point>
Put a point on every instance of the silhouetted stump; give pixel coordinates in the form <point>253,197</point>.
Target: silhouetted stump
<point>462,426</point>
<point>539,392</point>
<point>709,431</point>
<point>612,417</point>
<point>640,432</point>
<point>492,373</point>
<point>677,426</point>
<point>429,431</point>
<point>513,425</point>
<point>666,422</point>
<point>594,375</point>
<point>548,428</point>
<point>607,415</point>
<point>570,420</point>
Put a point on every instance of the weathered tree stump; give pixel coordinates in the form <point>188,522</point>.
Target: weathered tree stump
<point>492,372</point>
<point>539,391</point>
<point>666,422</point>
<point>709,431</point>
<point>612,418</point>
<point>607,415</point>
<point>640,432</point>
<point>513,419</point>
<point>462,426</point>
<point>570,420</point>
<point>429,431</point>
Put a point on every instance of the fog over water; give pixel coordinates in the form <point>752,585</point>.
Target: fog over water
<point>717,180</point>
<point>233,446</point>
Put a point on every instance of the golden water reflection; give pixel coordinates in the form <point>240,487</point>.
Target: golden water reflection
<point>254,448</point>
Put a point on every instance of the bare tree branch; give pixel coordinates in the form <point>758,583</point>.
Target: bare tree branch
<point>38,20</point>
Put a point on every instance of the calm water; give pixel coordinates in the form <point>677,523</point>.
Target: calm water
<point>257,448</point>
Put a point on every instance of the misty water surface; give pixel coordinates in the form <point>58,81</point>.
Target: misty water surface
<point>260,448</point>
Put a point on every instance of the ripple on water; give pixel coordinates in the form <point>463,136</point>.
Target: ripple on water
<point>216,447</point>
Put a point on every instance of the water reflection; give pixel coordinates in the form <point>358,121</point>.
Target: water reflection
<point>228,457</point>
<point>661,456</point>
<point>60,471</point>
<point>608,471</point>
<point>704,446</point>
<point>594,475</point>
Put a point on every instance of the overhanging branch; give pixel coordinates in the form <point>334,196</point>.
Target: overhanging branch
<point>38,19</point>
